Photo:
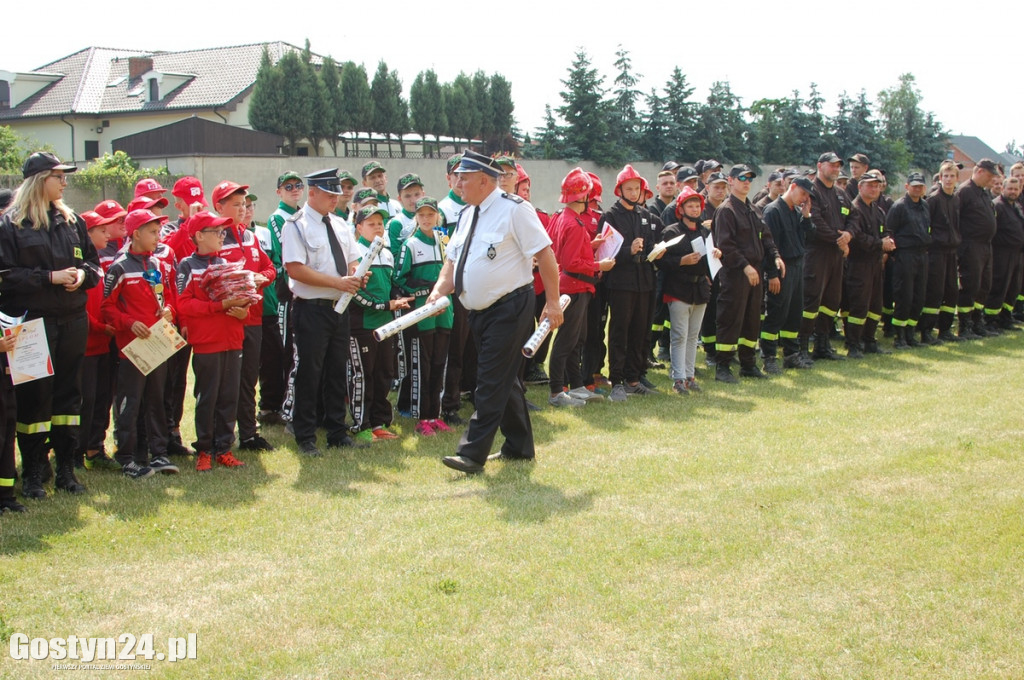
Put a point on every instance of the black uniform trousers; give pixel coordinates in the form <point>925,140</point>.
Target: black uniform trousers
<point>98,375</point>
<point>49,409</point>
<point>272,365</point>
<point>909,281</point>
<point>783,312</point>
<point>461,351</point>
<point>1006,283</point>
<point>248,378</point>
<point>541,355</point>
<point>321,360</point>
<point>140,394</point>
<point>823,289</point>
<point>864,298</point>
<point>426,351</point>
<point>499,333</point>
<point>974,261</point>
<point>738,317</point>
<point>372,370</point>
<point>8,430</point>
<point>565,365</point>
<point>708,327</point>
<point>941,290</point>
<point>595,350</point>
<point>216,391</point>
<point>629,324</point>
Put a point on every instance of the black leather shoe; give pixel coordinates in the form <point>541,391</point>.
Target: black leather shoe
<point>69,484</point>
<point>463,464</point>
<point>345,440</point>
<point>502,456</point>
<point>310,449</point>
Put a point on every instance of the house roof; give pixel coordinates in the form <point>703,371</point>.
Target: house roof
<point>974,148</point>
<point>96,80</point>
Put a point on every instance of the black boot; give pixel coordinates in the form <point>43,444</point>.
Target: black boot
<point>899,338</point>
<point>823,348</point>
<point>769,351</point>
<point>910,334</point>
<point>947,336</point>
<point>927,338</point>
<point>805,354</point>
<point>66,480</point>
<point>967,328</point>
<point>31,479</point>
<point>853,335</point>
<point>722,371</point>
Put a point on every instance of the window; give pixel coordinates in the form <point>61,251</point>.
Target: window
<point>92,149</point>
<point>5,94</point>
<point>154,90</point>
<point>302,151</point>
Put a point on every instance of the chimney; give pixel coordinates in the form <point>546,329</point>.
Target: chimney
<point>139,65</point>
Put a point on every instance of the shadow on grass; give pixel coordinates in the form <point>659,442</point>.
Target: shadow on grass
<point>52,516</point>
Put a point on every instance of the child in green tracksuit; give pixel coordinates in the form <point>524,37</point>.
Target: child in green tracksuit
<point>426,343</point>
<point>371,308</point>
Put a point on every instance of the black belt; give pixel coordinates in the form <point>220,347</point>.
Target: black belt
<point>508,296</point>
<point>319,302</point>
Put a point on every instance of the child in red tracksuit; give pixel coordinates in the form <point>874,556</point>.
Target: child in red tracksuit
<point>216,331</point>
<point>241,245</point>
<point>137,294</point>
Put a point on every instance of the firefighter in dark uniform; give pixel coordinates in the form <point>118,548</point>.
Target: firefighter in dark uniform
<point>942,289</point>
<point>864,268</point>
<point>907,223</point>
<point>974,257</point>
<point>489,266</point>
<point>744,241</point>
<point>1006,258</point>
<point>823,264</point>
<point>48,263</point>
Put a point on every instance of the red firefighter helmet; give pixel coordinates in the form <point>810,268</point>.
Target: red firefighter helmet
<point>595,193</point>
<point>523,177</point>
<point>627,173</point>
<point>685,195</point>
<point>576,186</point>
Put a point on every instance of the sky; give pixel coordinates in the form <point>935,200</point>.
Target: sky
<point>962,60</point>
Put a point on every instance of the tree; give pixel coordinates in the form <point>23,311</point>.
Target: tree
<point>902,121</point>
<point>851,130</point>
<point>625,121</point>
<point>482,101</point>
<point>458,110</point>
<point>549,137</point>
<point>502,105</point>
<point>116,175</point>
<point>265,107</point>
<point>295,115</point>
<point>390,111</point>
<point>357,104</point>
<point>330,76</point>
<point>587,114</point>
<point>682,116</point>
<point>656,142</point>
<point>722,131</point>
<point>318,101</point>
<point>775,129</point>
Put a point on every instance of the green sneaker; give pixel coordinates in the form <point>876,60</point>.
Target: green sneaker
<point>365,436</point>
<point>101,461</point>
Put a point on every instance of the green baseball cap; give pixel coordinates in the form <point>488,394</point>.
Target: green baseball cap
<point>427,202</point>
<point>372,166</point>
<point>369,210</point>
<point>409,180</point>
<point>366,194</point>
<point>346,176</point>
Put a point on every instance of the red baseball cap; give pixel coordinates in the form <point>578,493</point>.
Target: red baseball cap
<point>205,220</point>
<point>94,219</point>
<point>190,190</point>
<point>226,188</point>
<point>110,211</point>
<point>148,186</point>
<point>143,203</point>
<point>137,218</point>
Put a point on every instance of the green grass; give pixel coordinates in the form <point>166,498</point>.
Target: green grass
<point>860,520</point>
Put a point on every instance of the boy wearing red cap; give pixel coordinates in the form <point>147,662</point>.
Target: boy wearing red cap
<point>216,331</point>
<point>136,295</point>
<point>241,245</point>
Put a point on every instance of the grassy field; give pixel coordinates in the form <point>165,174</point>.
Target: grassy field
<point>861,520</point>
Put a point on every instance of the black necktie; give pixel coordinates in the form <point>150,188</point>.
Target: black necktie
<point>461,267</point>
<point>336,251</point>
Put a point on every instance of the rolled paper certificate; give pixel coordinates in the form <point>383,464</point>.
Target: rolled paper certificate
<point>533,344</point>
<point>411,318</point>
<point>364,266</point>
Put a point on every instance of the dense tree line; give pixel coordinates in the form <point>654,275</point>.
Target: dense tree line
<point>299,99</point>
<point>620,124</point>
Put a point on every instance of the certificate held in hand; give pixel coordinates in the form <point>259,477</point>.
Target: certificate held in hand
<point>30,358</point>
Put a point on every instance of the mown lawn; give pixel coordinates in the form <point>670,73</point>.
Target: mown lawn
<point>861,520</point>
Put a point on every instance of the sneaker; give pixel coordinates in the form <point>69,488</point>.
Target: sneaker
<point>424,428</point>
<point>135,471</point>
<point>204,463</point>
<point>382,433</point>
<point>310,449</point>
<point>347,442</point>
<point>692,385</point>
<point>256,443</point>
<point>679,387</point>
<point>405,414</point>
<point>530,406</point>
<point>601,381</point>
<point>640,389</point>
<point>618,393</point>
<point>439,425</point>
<point>562,400</point>
<point>648,384</point>
<point>453,418</point>
<point>174,448</point>
<point>101,461</point>
<point>536,376</point>
<point>270,418</point>
<point>228,460</point>
<point>584,394</point>
<point>161,464</point>
<point>365,436</point>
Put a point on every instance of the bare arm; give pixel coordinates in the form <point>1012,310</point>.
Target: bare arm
<point>548,267</point>
<point>306,274</point>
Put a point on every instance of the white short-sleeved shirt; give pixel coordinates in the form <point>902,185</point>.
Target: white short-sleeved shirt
<point>451,210</point>
<point>304,240</point>
<point>507,236</point>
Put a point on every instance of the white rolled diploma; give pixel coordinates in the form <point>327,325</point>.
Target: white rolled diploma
<point>411,318</point>
<point>533,344</point>
<point>364,266</point>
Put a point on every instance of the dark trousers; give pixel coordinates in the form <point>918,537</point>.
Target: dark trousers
<point>459,346</point>
<point>321,362</point>
<point>216,391</point>
<point>499,332</point>
<point>177,384</point>
<point>864,298</point>
<point>823,289</point>
<point>629,324</point>
<point>96,401</point>
<point>1006,282</point>
<point>272,366</point>
<point>49,409</point>
<point>594,351</point>
<point>373,369</point>
<point>783,312</point>
<point>708,326</point>
<point>565,365</point>
<point>248,378</point>
<point>909,281</point>
<point>8,432</point>
<point>541,355</point>
<point>427,351</point>
<point>941,290</point>
<point>137,393</point>
<point>974,261</point>
<point>738,321</point>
